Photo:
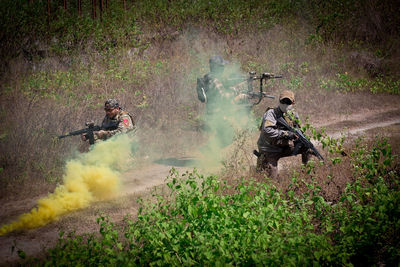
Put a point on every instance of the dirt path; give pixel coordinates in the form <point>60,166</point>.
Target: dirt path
<point>138,182</point>
<point>360,122</point>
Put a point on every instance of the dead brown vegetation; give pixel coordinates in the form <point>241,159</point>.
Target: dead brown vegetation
<point>157,86</point>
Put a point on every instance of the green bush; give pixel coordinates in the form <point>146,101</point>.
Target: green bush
<point>345,83</point>
<point>203,225</point>
<point>367,216</point>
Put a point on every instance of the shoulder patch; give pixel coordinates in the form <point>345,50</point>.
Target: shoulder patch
<point>126,122</point>
<point>268,123</point>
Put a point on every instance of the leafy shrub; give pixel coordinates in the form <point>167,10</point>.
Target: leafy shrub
<point>254,225</point>
<point>366,220</point>
<point>344,82</point>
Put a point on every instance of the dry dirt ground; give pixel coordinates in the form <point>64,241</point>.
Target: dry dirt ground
<point>140,181</point>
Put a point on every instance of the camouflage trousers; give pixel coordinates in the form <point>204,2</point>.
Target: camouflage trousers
<point>268,162</point>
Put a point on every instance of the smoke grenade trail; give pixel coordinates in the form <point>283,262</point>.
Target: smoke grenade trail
<point>91,177</point>
<point>223,123</point>
<point>224,119</point>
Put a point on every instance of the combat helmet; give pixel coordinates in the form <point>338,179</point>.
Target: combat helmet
<point>217,64</point>
<point>218,61</point>
<point>111,103</point>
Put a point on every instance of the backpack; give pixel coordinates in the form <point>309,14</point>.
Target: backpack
<point>202,88</point>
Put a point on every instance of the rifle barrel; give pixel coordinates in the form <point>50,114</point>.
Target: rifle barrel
<point>268,96</point>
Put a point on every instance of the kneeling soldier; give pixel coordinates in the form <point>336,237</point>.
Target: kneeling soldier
<point>115,121</point>
<point>275,141</point>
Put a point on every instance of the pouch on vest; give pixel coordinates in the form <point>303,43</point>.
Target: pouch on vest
<point>201,89</point>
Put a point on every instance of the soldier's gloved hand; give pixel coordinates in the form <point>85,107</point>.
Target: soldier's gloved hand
<point>101,134</point>
<point>83,137</point>
<point>289,135</point>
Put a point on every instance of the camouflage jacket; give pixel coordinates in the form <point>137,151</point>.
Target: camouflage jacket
<point>271,138</point>
<point>218,95</point>
<point>121,123</point>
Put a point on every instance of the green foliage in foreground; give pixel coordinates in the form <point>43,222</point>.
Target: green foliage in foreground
<point>205,222</point>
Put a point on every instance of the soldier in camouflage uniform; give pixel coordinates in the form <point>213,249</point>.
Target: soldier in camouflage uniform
<point>116,121</point>
<point>217,94</point>
<point>275,141</point>
<point>220,103</point>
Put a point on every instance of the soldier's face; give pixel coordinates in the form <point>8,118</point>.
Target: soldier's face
<point>285,105</point>
<point>111,112</point>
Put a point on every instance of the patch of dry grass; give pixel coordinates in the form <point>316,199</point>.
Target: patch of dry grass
<point>157,85</point>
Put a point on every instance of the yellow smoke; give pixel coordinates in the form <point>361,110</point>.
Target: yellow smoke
<point>90,177</point>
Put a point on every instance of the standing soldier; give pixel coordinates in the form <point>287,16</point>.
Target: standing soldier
<point>275,141</point>
<point>115,121</point>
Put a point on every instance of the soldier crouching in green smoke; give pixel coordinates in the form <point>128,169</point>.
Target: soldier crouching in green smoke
<point>115,121</point>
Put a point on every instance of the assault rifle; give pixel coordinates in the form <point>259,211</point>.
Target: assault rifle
<point>250,91</point>
<point>88,132</point>
<point>302,141</point>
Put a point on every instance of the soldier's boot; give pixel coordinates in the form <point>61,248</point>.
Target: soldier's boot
<point>305,157</point>
<point>260,163</point>
<point>267,165</point>
<point>272,169</point>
